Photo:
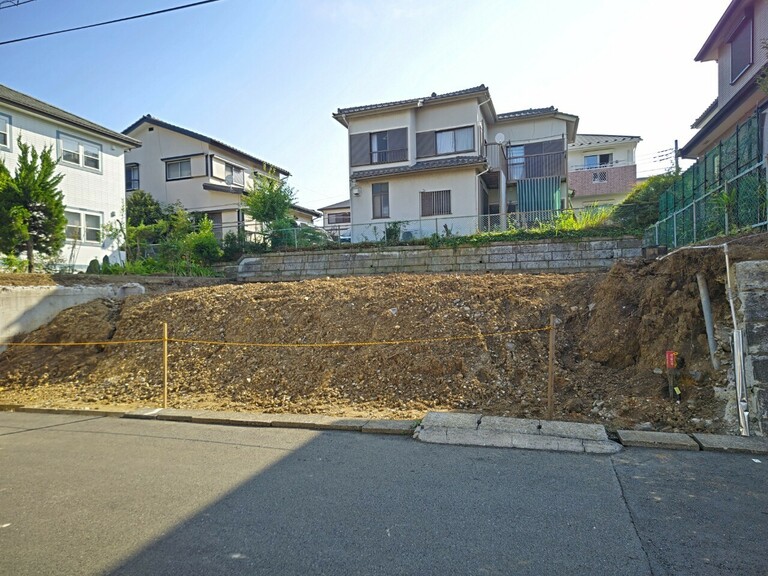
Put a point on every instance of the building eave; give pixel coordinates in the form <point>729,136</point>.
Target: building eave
<point>148,119</point>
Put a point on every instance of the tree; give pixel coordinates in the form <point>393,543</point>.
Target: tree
<point>32,206</point>
<point>269,200</point>
<point>641,207</point>
<point>141,208</point>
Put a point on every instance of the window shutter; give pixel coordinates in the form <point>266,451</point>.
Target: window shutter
<point>425,144</point>
<point>398,139</point>
<point>359,149</point>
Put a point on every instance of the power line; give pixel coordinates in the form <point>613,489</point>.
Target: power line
<point>144,15</point>
<point>13,3</point>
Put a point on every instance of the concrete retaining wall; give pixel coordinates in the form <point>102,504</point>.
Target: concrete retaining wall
<point>549,256</point>
<point>752,282</point>
<point>25,308</point>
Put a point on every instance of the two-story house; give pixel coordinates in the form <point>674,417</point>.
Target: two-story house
<point>735,44</point>
<point>337,218</point>
<point>601,169</point>
<point>205,175</point>
<point>91,159</point>
<point>449,164</point>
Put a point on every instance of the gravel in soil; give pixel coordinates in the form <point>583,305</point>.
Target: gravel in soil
<point>400,345</point>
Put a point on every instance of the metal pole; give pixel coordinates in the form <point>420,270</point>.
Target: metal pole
<point>551,383</point>
<point>165,365</point>
<point>706,308</point>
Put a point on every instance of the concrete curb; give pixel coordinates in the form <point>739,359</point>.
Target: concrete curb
<point>460,428</point>
<point>493,431</point>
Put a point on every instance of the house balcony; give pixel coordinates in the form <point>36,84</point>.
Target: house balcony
<point>602,180</point>
<point>543,165</point>
<point>496,157</point>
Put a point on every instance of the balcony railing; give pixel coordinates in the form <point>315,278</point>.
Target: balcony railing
<point>496,156</point>
<point>384,156</point>
<point>537,165</point>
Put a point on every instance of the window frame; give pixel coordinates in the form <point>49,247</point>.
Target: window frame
<point>453,131</point>
<point>383,196</point>
<point>746,24</point>
<point>233,168</point>
<point>85,233</point>
<point>435,203</point>
<point>79,156</point>
<point>178,162</point>
<point>129,180</point>
<point>8,134</point>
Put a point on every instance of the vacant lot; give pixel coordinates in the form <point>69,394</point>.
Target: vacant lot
<point>400,345</point>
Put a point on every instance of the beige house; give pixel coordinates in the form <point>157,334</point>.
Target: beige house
<point>736,45</point>
<point>304,216</point>
<point>449,164</point>
<point>601,169</point>
<point>203,174</point>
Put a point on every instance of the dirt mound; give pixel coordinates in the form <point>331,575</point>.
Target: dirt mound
<point>446,341</point>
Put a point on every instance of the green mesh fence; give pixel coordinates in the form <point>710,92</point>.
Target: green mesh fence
<point>723,192</point>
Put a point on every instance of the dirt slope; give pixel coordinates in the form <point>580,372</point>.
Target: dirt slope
<point>613,329</point>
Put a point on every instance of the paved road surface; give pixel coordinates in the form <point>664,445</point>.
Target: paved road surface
<point>113,496</point>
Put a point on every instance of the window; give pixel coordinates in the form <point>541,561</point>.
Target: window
<point>131,177</point>
<point>741,49</point>
<point>435,203</point>
<point>83,227</point>
<point>339,218</point>
<point>516,155</point>
<point>80,152</point>
<point>233,175</point>
<point>457,140</point>
<point>5,131</point>
<point>389,146</point>
<point>378,147</point>
<point>178,169</point>
<point>597,160</point>
<point>601,176</point>
<point>380,193</point>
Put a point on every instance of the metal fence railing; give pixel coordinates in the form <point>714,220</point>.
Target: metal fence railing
<point>737,203</point>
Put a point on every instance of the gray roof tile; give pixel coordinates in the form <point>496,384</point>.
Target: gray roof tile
<point>595,139</point>
<point>421,166</point>
<point>412,101</point>
<point>20,100</point>
<point>525,113</point>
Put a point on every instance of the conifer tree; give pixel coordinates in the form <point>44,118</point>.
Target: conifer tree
<point>32,205</point>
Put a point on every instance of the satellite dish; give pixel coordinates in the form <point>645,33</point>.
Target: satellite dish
<point>500,138</point>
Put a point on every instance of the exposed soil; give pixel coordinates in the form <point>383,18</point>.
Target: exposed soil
<point>612,331</point>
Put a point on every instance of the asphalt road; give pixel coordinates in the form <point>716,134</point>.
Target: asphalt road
<point>114,496</point>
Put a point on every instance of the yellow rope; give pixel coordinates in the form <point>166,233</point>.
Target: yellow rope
<point>297,345</point>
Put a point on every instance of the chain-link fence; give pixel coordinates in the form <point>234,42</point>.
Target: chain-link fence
<point>722,192</point>
<point>738,203</point>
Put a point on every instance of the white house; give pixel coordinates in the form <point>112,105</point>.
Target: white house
<point>175,164</point>
<point>601,169</point>
<point>449,164</point>
<point>91,158</point>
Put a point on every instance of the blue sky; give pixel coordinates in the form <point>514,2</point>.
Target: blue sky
<point>266,76</point>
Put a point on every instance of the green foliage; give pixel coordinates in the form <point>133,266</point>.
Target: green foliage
<point>12,263</point>
<point>392,232</point>
<point>93,267</point>
<point>201,247</point>
<point>269,199</point>
<point>32,206</point>
<point>141,208</point>
<point>641,207</point>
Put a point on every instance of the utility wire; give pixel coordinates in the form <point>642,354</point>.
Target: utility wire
<point>13,3</point>
<point>146,14</point>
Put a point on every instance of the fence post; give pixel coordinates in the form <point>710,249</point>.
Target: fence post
<point>165,364</point>
<point>674,229</point>
<point>551,382</point>
<point>694,220</point>
<point>727,205</point>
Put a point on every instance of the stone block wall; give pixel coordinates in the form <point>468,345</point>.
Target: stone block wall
<point>547,256</point>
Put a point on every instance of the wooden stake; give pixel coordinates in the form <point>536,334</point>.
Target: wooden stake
<point>165,365</point>
<point>551,384</point>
